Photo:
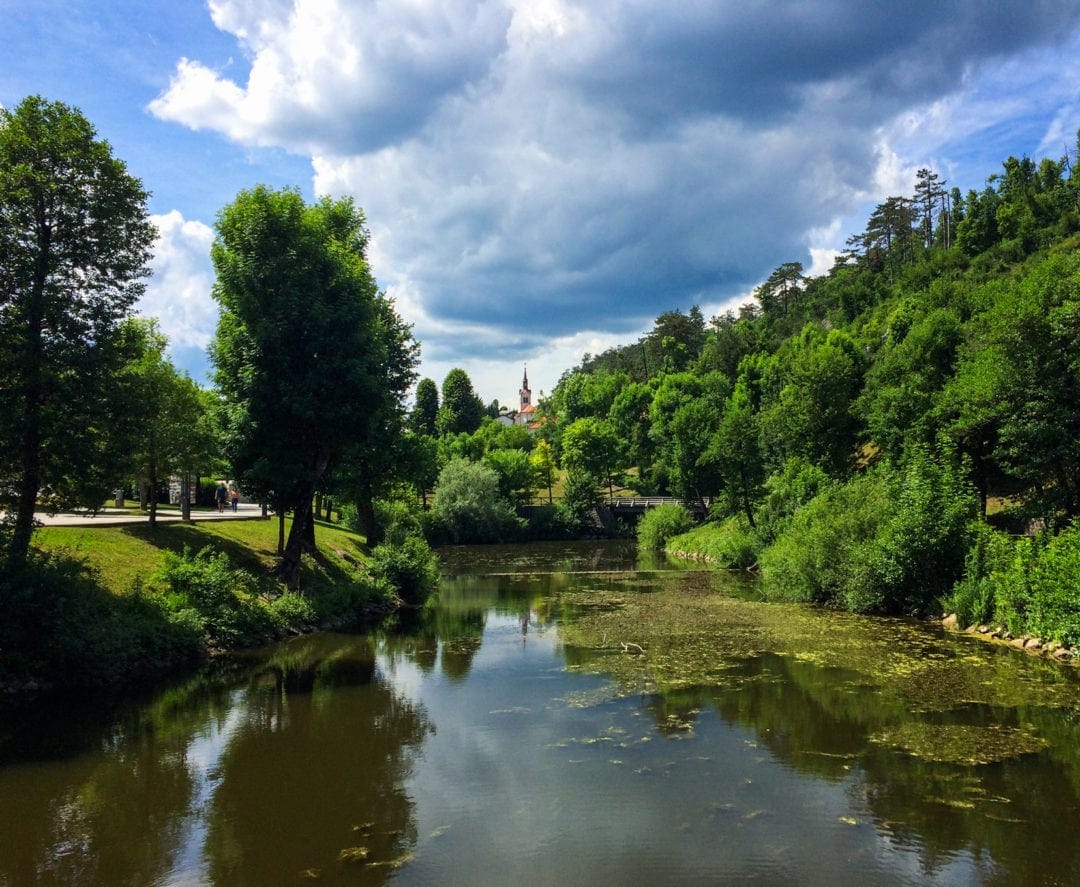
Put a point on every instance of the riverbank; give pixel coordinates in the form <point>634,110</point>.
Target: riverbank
<point>1019,593</point>
<point>99,606</point>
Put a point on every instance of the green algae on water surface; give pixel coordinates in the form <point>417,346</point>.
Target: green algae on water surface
<point>697,629</point>
<point>961,743</point>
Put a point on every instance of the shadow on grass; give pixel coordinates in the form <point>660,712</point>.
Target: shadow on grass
<point>318,571</point>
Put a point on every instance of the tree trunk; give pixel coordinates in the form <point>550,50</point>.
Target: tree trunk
<point>302,517</point>
<point>30,480</point>
<point>185,498</point>
<point>309,532</point>
<point>329,510</point>
<point>153,501</point>
<point>365,519</point>
<point>281,532</point>
<point>318,504</point>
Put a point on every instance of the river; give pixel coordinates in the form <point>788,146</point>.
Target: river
<point>565,714</point>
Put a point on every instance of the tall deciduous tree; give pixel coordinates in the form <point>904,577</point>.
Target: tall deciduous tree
<point>165,415</point>
<point>305,346</point>
<point>74,245</point>
<point>462,411</point>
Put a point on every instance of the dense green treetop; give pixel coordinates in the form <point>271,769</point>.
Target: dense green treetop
<point>74,246</point>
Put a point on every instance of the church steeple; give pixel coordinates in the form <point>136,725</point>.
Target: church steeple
<point>525,394</point>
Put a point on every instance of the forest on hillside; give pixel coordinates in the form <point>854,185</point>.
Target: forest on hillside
<point>877,437</point>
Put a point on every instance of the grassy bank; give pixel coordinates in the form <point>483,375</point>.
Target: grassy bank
<point>116,604</point>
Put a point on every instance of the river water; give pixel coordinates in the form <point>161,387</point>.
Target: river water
<point>566,714</point>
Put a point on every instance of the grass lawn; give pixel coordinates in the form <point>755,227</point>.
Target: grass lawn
<point>120,554</point>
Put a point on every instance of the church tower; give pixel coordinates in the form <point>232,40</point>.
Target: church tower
<point>525,394</point>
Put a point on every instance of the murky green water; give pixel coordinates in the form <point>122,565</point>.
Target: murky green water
<point>557,720</point>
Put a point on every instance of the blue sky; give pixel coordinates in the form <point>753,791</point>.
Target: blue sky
<point>543,177</point>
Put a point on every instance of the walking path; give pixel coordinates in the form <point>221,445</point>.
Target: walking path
<point>118,517</point>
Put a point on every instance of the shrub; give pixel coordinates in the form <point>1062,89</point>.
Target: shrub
<point>786,492</point>
<point>469,506</point>
<point>659,524</point>
<point>550,522</point>
<point>1027,585</point>
<point>223,598</point>
<point>291,612</point>
<point>396,520</point>
<point>61,626</point>
<point>410,567</point>
<point>882,542</point>
<point>824,554</point>
<point>729,543</point>
<point>920,554</point>
<point>974,595</point>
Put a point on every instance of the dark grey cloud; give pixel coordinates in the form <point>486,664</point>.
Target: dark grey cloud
<point>538,167</point>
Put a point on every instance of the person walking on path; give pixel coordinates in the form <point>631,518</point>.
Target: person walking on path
<point>234,497</point>
<point>220,495</point>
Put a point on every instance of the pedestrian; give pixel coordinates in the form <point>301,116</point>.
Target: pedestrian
<point>234,497</point>
<point>220,495</point>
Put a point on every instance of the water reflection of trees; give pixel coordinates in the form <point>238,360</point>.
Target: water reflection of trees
<point>824,722</point>
<point>95,793</point>
<point>252,773</point>
<point>314,765</point>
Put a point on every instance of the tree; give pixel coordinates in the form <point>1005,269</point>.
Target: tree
<point>308,352</point>
<point>462,410</point>
<point>590,446</point>
<point>469,505</point>
<point>426,408</point>
<point>542,461</point>
<point>736,450</point>
<point>74,245</point>
<point>167,433</point>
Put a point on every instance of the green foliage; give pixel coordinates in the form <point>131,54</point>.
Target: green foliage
<point>223,599</point>
<point>461,411</point>
<point>581,494</point>
<point>311,359</point>
<point>397,520</point>
<point>75,244</point>
<point>786,491</point>
<point>469,506</point>
<point>62,627</point>
<point>516,475</point>
<point>426,409</point>
<point>659,524</point>
<point>731,543</point>
<point>1028,585</point>
<point>973,598</point>
<point>882,542</point>
<point>553,521</point>
<point>824,554</point>
<point>409,566</point>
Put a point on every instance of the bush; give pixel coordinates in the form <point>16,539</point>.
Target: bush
<point>61,626</point>
<point>469,507</point>
<point>824,554</point>
<point>223,599</point>
<point>292,612</point>
<point>880,543</point>
<point>988,558</point>
<point>396,520</point>
<point>786,492</point>
<point>410,567</point>
<point>1028,585</point>
<point>550,522</point>
<point>730,543</point>
<point>659,524</point>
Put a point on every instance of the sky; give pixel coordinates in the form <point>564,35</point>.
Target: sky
<point>542,178</point>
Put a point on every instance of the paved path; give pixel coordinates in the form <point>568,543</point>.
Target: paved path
<point>115,517</point>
